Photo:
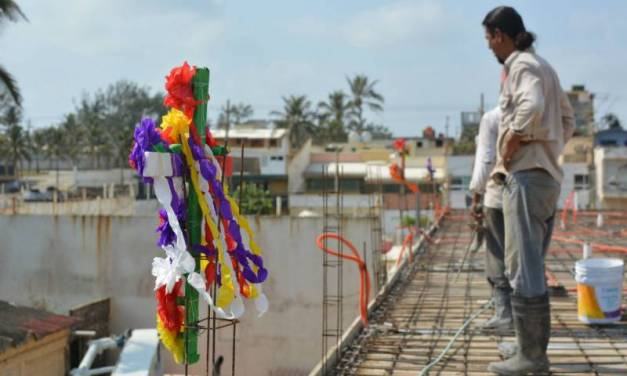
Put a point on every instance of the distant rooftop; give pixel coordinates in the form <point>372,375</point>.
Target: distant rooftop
<point>252,133</point>
<point>19,324</point>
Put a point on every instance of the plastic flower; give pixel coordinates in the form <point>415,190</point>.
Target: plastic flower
<point>174,124</point>
<point>179,89</point>
<point>169,270</point>
<point>399,145</point>
<point>146,137</point>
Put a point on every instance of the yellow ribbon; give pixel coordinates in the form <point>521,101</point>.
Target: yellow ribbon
<point>226,293</point>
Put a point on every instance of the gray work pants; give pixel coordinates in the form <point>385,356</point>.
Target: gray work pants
<point>529,202</point>
<point>495,253</point>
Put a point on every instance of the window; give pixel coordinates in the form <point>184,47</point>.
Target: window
<point>459,183</point>
<point>256,143</point>
<point>276,158</point>
<point>419,144</point>
<point>274,143</point>
<point>581,182</point>
<point>608,142</point>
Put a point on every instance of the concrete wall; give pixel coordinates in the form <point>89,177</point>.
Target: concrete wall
<point>296,168</point>
<point>58,262</point>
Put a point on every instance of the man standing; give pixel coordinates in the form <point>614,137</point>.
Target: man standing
<point>537,121</point>
<point>492,217</point>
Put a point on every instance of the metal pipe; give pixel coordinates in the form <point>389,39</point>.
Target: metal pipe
<point>96,347</point>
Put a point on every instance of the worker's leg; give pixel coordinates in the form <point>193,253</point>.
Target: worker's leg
<point>495,270</point>
<point>529,201</point>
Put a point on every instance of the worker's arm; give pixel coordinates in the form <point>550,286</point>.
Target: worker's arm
<point>528,100</point>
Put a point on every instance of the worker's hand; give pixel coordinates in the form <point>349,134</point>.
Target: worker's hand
<point>509,147</point>
<point>475,208</point>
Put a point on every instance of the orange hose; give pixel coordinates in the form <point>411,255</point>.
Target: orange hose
<point>408,239</point>
<point>364,278</point>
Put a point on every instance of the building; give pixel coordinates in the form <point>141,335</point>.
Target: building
<point>610,162</point>
<point>33,341</point>
<point>577,162</point>
<point>470,121</point>
<point>582,102</point>
<point>267,154</point>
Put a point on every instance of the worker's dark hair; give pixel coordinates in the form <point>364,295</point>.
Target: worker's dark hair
<point>509,22</point>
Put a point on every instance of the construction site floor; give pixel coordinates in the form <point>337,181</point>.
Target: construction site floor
<point>416,320</point>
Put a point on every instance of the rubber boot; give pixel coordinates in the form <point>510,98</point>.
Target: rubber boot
<point>502,319</point>
<point>532,321</point>
<point>507,349</point>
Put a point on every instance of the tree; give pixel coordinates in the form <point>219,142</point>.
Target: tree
<point>254,200</point>
<point>611,121</point>
<point>378,131</point>
<point>363,95</point>
<point>107,120</point>
<point>125,103</point>
<point>336,112</point>
<point>55,148</point>
<point>39,144</point>
<point>90,114</point>
<point>16,144</point>
<point>236,114</point>
<point>298,118</point>
<point>74,138</point>
<point>10,11</point>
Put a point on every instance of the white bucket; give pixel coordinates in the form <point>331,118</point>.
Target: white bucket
<point>599,289</point>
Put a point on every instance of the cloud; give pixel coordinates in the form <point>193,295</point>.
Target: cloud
<point>394,23</point>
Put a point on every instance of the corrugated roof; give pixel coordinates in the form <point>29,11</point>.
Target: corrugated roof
<point>18,324</point>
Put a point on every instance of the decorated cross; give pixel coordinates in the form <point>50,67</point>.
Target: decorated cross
<point>208,245</point>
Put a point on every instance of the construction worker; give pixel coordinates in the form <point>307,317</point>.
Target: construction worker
<point>490,219</point>
<point>536,122</point>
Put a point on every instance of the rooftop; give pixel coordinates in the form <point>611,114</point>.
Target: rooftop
<point>252,133</point>
<point>19,324</point>
<point>413,323</point>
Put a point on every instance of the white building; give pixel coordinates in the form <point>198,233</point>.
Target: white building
<point>266,150</point>
<point>611,177</point>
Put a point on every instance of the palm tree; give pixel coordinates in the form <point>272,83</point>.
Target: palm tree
<point>90,115</point>
<point>336,111</point>
<point>242,112</point>
<point>39,143</point>
<point>363,94</point>
<point>17,145</point>
<point>298,118</point>
<point>234,114</point>
<point>56,147</point>
<point>10,11</point>
<point>74,138</point>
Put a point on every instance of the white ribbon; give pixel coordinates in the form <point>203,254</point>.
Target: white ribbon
<point>236,307</point>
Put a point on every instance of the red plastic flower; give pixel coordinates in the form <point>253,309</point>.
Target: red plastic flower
<point>399,145</point>
<point>179,89</point>
<point>169,312</point>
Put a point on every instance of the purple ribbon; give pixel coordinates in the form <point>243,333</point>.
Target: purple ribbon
<point>241,254</point>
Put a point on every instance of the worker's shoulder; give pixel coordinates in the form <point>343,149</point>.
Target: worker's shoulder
<point>530,61</point>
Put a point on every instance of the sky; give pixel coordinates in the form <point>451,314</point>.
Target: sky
<point>429,57</point>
